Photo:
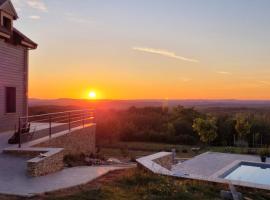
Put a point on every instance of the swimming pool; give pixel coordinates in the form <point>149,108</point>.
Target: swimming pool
<point>250,172</point>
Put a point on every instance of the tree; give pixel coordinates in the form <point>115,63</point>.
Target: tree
<point>226,130</point>
<point>129,131</point>
<point>187,114</point>
<point>170,130</point>
<point>183,127</point>
<point>206,128</point>
<point>243,125</point>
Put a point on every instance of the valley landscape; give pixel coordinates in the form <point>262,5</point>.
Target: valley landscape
<point>134,99</point>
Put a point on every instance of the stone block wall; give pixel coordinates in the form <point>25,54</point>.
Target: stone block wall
<point>43,160</point>
<point>43,166</point>
<point>77,142</point>
<point>166,161</point>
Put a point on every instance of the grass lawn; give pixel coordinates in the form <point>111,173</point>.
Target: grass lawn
<point>123,154</point>
<point>134,184</point>
<point>138,149</point>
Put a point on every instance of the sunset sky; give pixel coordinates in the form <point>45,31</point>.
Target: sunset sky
<point>148,49</point>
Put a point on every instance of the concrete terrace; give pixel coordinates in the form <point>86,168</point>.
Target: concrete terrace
<point>4,138</point>
<point>209,166</point>
<point>15,181</point>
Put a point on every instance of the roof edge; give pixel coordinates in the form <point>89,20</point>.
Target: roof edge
<point>24,40</point>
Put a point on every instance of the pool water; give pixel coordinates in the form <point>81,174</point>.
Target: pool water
<point>254,173</point>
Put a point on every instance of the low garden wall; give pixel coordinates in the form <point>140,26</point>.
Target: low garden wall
<point>42,161</point>
<point>40,166</point>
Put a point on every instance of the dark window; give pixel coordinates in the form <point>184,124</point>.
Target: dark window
<point>10,100</point>
<point>7,23</point>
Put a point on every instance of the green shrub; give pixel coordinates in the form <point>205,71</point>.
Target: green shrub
<point>264,152</point>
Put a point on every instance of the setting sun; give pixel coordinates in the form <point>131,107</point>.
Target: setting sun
<point>92,95</point>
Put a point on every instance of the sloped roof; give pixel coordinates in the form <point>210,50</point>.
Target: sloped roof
<point>14,36</point>
<point>17,35</point>
<point>8,7</point>
<point>2,2</point>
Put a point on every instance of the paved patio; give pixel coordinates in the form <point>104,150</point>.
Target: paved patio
<point>4,139</point>
<point>14,180</point>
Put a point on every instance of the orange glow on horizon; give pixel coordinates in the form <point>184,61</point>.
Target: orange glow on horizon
<point>148,60</point>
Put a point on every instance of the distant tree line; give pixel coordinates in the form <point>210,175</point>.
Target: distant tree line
<point>181,125</point>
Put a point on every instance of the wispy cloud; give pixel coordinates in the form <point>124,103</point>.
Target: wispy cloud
<point>34,4</point>
<point>77,19</point>
<point>224,72</point>
<point>185,79</point>
<point>34,17</point>
<point>165,53</point>
<point>264,82</point>
<point>37,4</point>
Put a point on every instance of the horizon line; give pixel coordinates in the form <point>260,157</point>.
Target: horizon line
<point>153,99</point>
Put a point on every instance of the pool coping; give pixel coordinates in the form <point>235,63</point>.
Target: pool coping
<point>221,174</point>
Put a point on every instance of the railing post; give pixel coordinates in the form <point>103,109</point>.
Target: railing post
<point>50,126</point>
<point>19,132</point>
<point>69,125</point>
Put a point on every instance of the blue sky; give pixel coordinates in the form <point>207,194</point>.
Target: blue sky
<point>181,48</point>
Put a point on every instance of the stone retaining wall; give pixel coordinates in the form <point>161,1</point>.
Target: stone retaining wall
<point>43,160</point>
<point>77,142</point>
<point>165,161</point>
<point>42,166</point>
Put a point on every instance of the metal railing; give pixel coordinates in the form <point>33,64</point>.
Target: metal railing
<point>37,126</point>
